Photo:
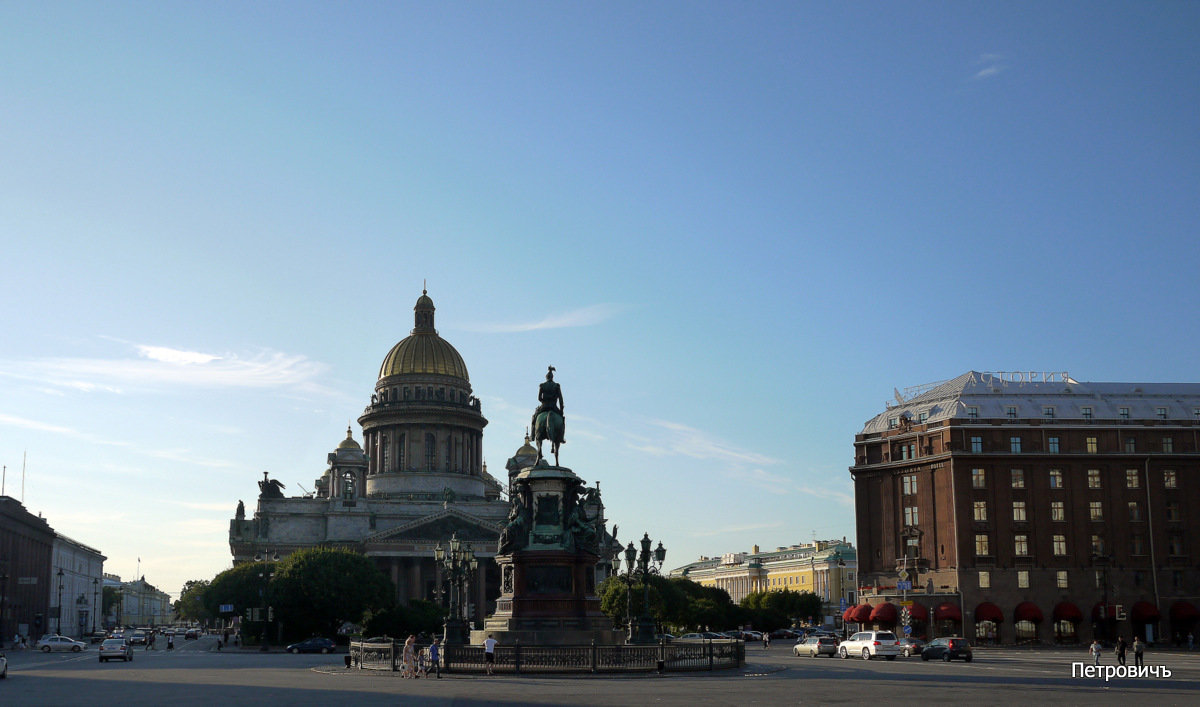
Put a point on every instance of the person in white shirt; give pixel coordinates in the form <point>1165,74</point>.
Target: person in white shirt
<point>489,653</point>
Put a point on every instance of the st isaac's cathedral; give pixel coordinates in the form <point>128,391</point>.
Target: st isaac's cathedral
<point>420,478</point>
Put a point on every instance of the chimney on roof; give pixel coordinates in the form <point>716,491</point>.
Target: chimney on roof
<point>755,550</point>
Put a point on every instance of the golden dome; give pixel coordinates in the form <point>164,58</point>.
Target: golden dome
<point>424,351</point>
<point>349,442</point>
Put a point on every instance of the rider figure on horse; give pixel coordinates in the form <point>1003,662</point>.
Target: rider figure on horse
<point>551,402</point>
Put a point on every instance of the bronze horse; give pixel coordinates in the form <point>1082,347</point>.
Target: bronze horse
<point>549,425</point>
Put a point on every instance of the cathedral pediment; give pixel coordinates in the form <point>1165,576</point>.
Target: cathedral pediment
<point>438,527</point>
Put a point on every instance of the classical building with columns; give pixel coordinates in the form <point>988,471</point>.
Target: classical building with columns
<point>417,479</point>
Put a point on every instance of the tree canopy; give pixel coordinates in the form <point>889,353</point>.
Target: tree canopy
<point>314,591</point>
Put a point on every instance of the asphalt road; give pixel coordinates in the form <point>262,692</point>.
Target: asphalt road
<point>196,674</point>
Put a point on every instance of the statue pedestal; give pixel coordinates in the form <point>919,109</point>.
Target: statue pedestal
<point>548,578</point>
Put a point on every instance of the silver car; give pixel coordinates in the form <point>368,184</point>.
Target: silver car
<point>60,643</point>
<point>113,648</point>
<point>814,646</point>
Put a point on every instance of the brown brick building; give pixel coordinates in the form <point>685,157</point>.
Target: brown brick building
<point>1031,507</point>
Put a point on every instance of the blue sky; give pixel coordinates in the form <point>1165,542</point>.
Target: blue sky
<point>732,227</point>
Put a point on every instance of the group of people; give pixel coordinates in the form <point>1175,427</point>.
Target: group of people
<point>416,662</point>
<point>1139,649</point>
<point>20,642</point>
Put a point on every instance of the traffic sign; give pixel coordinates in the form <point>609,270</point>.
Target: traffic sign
<point>903,574</point>
<point>843,605</point>
<point>904,586</point>
<point>906,603</point>
<point>907,630</point>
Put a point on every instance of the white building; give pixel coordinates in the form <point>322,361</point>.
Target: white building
<point>76,587</point>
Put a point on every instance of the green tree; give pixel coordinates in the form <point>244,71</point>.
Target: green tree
<point>110,602</point>
<point>315,591</point>
<point>190,606</point>
<point>244,586</point>
<point>417,617</point>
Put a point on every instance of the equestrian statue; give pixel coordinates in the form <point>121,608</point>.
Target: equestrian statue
<point>548,422</point>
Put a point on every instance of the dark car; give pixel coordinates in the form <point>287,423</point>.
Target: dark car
<point>312,645</point>
<point>911,646</point>
<point>947,649</point>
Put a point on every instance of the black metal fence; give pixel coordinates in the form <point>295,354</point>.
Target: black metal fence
<point>663,657</point>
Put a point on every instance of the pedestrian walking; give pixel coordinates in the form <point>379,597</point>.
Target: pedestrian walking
<point>150,642</point>
<point>489,653</point>
<point>1096,650</point>
<point>1121,647</point>
<point>435,657</point>
<point>1139,647</point>
<point>170,641</point>
<point>408,657</point>
<point>1191,641</point>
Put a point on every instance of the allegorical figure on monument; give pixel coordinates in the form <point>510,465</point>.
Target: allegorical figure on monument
<point>270,488</point>
<point>241,511</point>
<point>548,421</point>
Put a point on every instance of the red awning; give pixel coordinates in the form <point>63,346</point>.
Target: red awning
<point>862,614</point>
<point>1184,611</point>
<point>848,614</point>
<point>1027,611</point>
<point>884,613</point>
<point>1144,611</point>
<point>1066,611</point>
<point>987,611</point>
<point>918,612</point>
<point>1112,611</point>
<point>947,612</point>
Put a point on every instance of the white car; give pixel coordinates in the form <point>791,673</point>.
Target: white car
<point>60,643</point>
<point>870,644</point>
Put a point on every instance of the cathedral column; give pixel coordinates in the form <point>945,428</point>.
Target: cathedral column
<point>414,578</point>
<point>395,572</point>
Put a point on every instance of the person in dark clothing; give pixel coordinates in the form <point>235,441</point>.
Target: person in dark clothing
<point>1121,648</point>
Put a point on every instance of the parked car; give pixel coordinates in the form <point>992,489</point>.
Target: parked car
<point>870,644</point>
<point>814,646</point>
<point>911,646</point>
<point>312,645</point>
<point>664,637</point>
<point>113,648</point>
<point>60,643</point>
<point>785,633</point>
<point>947,649</point>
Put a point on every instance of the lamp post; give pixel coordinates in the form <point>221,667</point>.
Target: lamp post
<point>265,574</point>
<point>60,588</point>
<point>95,606</point>
<point>3,597</point>
<point>841,565</point>
<point>641,566</point>
<point>458,563</point>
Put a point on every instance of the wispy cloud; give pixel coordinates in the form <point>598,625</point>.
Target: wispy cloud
<point>177,455</point>
<point>677,439</point>
<point>164,367</point>
<point>992,66</point>
<point>586,316</point>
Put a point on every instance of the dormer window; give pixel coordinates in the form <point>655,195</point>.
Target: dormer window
<point>973,412</point>
<point>893,423</point>
<point>1011,411</point>
<point>1123,413</point>
<point>1048,412</point>
<point>1161,412</point>
<point>1086,413</point>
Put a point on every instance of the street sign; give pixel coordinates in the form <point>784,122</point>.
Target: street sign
<point>226,609</point>
<point>843,605</point>
<point>904,586</point>
<point>907,630</point>
<point>906,603</point>
<point>903,574</point>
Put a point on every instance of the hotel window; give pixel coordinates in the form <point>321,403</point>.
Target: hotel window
<point>1021,545</point>
<point>1014,445</point>
<point>985,580</point>
<point>1062,579</point>
<point>1097,545</point>
<point>923,417</point>
<point>1137,544</point>
<point>1168,445</point>
<point>1095,510</point>
<point>1057,511</point>
<point>1060,545</point>
<point>1161,412</point>
<point>1168,479</point>
<point>893,423</point>
<point>1056,479</point>
<point>1018,478</point>
<point>909,483</point>
<point>976,445</point>
<point>1023,579</point>
<point>1011,411</point>
<point>1123,413</point>
<point>912,547</point>
<point>910,516</point>
<point>1092,447</point>
<point>1053,444</point>
<point>1099,580</point>
<point>978,478</point>
<point>981,512</point>
<point>1135,511</point>
<point>1019,511</point>
<point>1093,478</point>
<point>1131,478</point>
<point>1130,444</point>
<point>1047,411</point>
<point>1172,510</point>
<point>981,545</point>
<point>973,412</point>
<point>1086,413</point>
<point>1175,543</point>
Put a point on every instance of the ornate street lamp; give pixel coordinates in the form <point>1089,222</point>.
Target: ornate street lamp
<point>60,588</point>
<point>641,566</point>
<point>458,564</point>
<point>95,606</point>
<point>265,574</point>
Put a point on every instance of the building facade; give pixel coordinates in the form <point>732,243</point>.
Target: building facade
<point>78,572</point>
<point>26,550</point>
<point>141,604</point>
<point>1029,507</point>
<point>826,568</point>
<point>418,479</point>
